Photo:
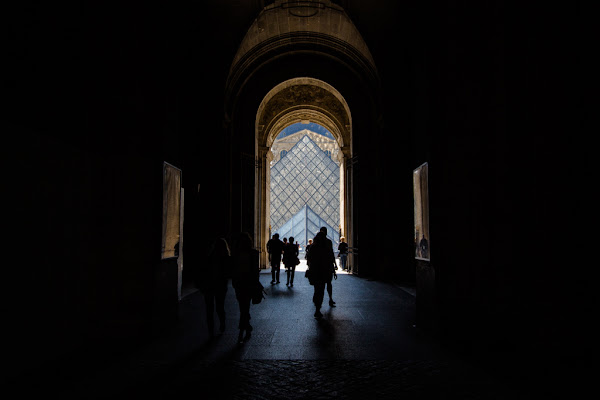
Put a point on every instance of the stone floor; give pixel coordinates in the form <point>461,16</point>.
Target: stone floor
<point>366,347</point>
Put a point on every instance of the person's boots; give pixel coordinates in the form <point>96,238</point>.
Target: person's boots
<point>318,313</point>
<point>331,303</point>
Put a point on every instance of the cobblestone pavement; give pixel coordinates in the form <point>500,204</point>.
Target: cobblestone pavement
<point>365,347</point>
<point>328,379</point>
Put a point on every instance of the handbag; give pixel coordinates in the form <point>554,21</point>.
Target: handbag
<point>259,293</point>
<point>308,275</point>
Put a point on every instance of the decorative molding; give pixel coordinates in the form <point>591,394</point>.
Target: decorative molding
<point>303,99</point>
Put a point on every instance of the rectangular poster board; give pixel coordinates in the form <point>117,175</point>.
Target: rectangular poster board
<point>421,210</point>
<point>171,211</point>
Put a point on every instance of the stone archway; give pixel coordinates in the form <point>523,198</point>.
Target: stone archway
<point>300,100</point>
<point>294,63</point>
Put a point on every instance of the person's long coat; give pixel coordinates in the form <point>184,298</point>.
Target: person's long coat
<point>322,259</point>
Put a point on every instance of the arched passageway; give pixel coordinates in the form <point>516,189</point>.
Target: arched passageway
<point>306,63</point>
<point>293,101</point>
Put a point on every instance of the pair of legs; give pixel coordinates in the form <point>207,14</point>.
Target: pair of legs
<point>244,299</point>
<point>275,268</point>
<point>290,271</point>
<point>319,292</point>
<point>215,300</point>
<point>343,259</point>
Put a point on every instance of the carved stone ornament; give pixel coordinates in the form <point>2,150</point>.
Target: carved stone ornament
<point>303,99</point>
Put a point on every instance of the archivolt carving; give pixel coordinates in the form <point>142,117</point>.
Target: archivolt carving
<point>303,99</point>
<point>293,116</point>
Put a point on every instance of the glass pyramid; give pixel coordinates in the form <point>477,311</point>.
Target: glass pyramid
<point>305,176</point>
<point>305,225</point>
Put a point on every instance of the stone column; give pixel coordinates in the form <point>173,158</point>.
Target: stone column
<point>347,207</point>
<point>262,201</point>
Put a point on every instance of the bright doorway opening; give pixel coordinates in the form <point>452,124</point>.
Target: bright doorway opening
<point>305,184</point>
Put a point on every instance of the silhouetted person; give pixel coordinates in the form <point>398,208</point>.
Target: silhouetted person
<point>333,274</point>
<point>246,270</point>
<point>275,250</point>
<point>423,246</point>
<point>290,260</point>
<point>213,281</point>
<point>343,252</point>
<point>321,260</point>
<point>306,250</point>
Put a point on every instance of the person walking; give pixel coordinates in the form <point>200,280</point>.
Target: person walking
<point>290,260</point>
<point>275,251</point>
<point>306,250</point>
<point>332,274</point>
<point>213,280</point>
<point>307,258</point>
<point>246,270</point>
<point>343,252</point>
<point>322,261</point>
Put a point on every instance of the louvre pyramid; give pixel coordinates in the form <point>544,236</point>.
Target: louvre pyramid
<point>305,225</point>
<point>305,176</point>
